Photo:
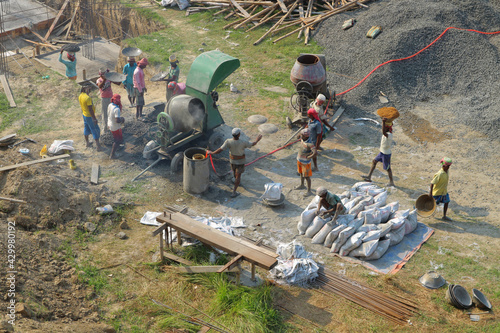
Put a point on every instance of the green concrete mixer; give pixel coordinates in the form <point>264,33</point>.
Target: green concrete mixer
<point>193,115</point>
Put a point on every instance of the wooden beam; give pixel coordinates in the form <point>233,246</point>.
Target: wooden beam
<point>8,92</point>
<point>218,239</point>
<point>56,19</point>
<point>231,264</point>
<point>199,269</point>
<point>268,9</point>
<point>72,19</point>
<point>241,9</point>
<point>283,6</point>
<point>278,23</point>
<point>177,259</point>
<point>94,176</point>
<point>337,115</point>
<point>42,160</point>
<point>12,200</point>
<point>8,137</point>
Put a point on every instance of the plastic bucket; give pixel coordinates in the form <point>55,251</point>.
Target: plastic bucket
<point>196,171</point>
<point>425,205</point>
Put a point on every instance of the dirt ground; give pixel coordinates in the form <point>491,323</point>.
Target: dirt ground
<point>62,200</point>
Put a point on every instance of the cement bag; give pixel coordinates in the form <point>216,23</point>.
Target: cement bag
<point>365,249</point>
<point>316,226</point>
<point>373,218</point>
<point>314,203</point>
<point>400,213</point>
<point>394,206</point>
<point>385,213</point>
<point>397,223</point>
<point>343,236</point>
<point>385,228</point>
<point>411,222</point>
<point>344,201</point>
<point>356,223</point>
<point>352,243</point>
<point>306,219</point>
<point>345,219</point>
<point>381,249</point>
<point>375,205</point>
<point>362,213</point>
<point>345,194</point>
<point>371,235</point>
<point>319,238</point>
<point>367,201</point>
<point>355,194</point>
<point>356,186</point>
<point>361,206</point>
<point>396,236</point>
<point>353,202</point>
<point>382,197</point>
<point>368,227</point>
<point>332,236</point>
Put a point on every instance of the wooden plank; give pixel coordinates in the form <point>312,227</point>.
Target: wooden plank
<point>56,19</point>
<point>337,115</point>
<point>292,8</point>
<point>94,177</point>
<point>231,264</point>
<point>72,19</point>
<point>232,245</point>
<point>8,92</point>
<point>199,269</point>
<point>241,9</point>
<point>42,160</point>
<point>283,6</point>
<point>7,137</point>
<point>178,259</point>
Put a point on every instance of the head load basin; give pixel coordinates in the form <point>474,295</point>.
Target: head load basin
<point>187,113</point>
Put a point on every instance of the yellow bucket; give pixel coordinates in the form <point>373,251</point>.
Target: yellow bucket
<point>425,205</point>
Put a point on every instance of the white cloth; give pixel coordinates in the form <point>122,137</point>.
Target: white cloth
<point>386,143</point>
<point>113,113</point>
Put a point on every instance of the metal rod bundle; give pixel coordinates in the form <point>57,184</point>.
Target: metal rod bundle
<point>394,308</point>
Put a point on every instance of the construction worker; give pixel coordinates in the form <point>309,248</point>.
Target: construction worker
<point>172,77</point>
<point>319,106</point>
<point>236,148</point>
<point>70,65</point>
<point>89,117</point>
<point>330,202</point>
<point>106,93</point>
<point>140,86</point>
<point>307,151</point>
<point>439,186</point>
<point>128,70</point>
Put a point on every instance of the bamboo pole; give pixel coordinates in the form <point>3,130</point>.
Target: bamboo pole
<point>278,23</point>
<point>263,22</point>
<point>268,9</point>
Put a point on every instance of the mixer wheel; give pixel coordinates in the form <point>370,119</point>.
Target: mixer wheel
<point>176,163</point>
<point>215,141</point>
<point>299,101</point>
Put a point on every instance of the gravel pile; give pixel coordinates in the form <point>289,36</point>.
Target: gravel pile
<point>463,65</point>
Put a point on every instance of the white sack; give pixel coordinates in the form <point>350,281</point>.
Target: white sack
<point>362,213</point>
<point>314,203</point>
<point>345,219</point>
<point>356,223</point>
<point>355,194</point>
<point>344,201</point>
<point>368,227</point>
<point>332,236</point>
<point>385,213</point>
<point>382,197</point>
<point>385,228</point>
<point>365,249</point>
<point>356,186</point>
<point>411,222</point>
<point>371,235</point>
<point>397,223</point>
<point>376,205</point>
<point>374,217</point>
<point>381,249</point>
<point>396,236</point>
<point>353,202</point>
<point>394,206</point>
<point>319,238</point>
<point>306,219</point>
<point>375,191</point>
<point>400,213</point>
<point>316,226</point>
<point>345,194</point>
<point>343,236</point>
<point>352,243</point>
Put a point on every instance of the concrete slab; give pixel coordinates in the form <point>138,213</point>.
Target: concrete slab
<point>106,55</point>
<point>26,13</point>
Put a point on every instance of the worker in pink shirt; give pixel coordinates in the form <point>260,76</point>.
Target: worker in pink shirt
<point>140,86</point>
<point>106,93</point>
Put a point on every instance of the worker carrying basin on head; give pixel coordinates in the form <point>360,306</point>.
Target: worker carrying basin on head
<point>172,78</point>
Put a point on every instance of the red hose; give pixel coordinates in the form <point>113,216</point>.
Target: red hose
<point>258,158</point>
<point>413,55</point>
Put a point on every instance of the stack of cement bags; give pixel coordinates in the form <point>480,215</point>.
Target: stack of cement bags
<point>367,230</point>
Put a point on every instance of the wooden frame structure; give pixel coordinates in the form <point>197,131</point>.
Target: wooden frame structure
<point>240,249</point>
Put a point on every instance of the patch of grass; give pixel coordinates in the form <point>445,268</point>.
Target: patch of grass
<point>92,276</point>
<point>133,188</point>
<point>158,46</point>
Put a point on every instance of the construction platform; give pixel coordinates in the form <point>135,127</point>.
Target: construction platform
<point>106,55</point>
<point>22,16</point>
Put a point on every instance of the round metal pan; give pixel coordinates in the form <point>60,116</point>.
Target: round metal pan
<point>159,77</point>
<point>131,52</point>
<point>71,48</point>
<point>115,77</point>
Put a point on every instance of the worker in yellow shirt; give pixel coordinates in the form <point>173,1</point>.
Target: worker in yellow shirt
<point>439,186</point>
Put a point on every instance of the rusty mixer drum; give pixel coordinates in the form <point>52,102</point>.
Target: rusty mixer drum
<point>308,68</point>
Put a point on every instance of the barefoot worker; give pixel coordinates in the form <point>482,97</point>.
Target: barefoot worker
<point>236,148</point>
<point>315,132</point>
<point>70,64</point>
<point>439,186</point>
<point>115,121</point>
<point>319,106</point>
<point>331,202</point>
<point>128,70</point>
<point>306,152</point>
<point>140,86</point>
<point>89,118</point>
<point>388,115</point>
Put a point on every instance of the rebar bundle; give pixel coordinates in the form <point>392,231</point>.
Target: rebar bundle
<point>4,67</point>
<point>394,308</point>
<point>87,18</point>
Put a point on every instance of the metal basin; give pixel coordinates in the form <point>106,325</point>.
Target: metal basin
<point>432,280</point>
<point>131,52</point>
<point>480,300</point>
<point>462,296</point>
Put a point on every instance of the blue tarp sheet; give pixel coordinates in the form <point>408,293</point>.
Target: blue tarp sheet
<point>398,255</point>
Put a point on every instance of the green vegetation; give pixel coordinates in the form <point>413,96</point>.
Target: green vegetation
<point>158,46</point>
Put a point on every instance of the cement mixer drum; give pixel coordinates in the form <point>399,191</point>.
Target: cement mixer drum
<point>187,113</point>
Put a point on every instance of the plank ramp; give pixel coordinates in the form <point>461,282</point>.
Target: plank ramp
<point>234,246</point>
